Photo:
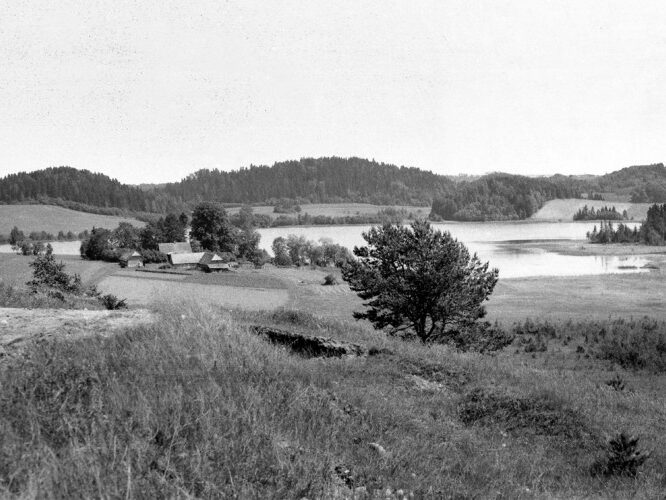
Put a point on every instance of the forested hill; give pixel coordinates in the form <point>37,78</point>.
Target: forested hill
<point>66,184</point>
<point>494,196</point>
<point>321,180</point>
<point>503,197</point>
<point>644,183</point>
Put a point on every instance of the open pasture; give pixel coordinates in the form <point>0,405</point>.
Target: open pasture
<point>340,209</point>
<point>16,270</point>
<point>565,209</point>
<point>142,290</point>
<point>52,219</point>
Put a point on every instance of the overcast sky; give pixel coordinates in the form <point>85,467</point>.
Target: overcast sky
<point>150,91</point>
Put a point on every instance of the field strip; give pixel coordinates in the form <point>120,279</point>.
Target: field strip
<point>146,291</point>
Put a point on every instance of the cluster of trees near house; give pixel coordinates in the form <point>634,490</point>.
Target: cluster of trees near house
<point>210,229</point>
<point>603,213</point>
<point>651,232</point>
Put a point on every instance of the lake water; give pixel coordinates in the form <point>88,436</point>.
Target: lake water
<point>496,242</point>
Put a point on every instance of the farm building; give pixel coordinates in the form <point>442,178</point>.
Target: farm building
<point>131,258</point>
<point>168,248</point>
<point>185,260</point>
<point>217,261</point>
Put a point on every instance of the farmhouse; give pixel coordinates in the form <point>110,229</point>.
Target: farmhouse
<point>168,248</point>
<point>131,258</point>
<point>217,261</point>
<point>185,260</point>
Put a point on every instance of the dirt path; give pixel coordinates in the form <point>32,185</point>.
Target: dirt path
<point>18,326</point>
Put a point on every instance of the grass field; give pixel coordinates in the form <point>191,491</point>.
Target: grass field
<point>16,270</point>
<point>565,209</point>
<point>340,209</point>
<point>143,290</point>
<point>196,406</point>
<point>52,219</point>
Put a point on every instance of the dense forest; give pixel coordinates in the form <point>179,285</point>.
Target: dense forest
<point>651,232</point>
<point>495,196</point>
<point>502,197</point>
<point>68,184</point>
<point>643,184</point>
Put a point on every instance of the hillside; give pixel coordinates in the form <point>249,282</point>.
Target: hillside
<point>53,219</point>
<point>65,184</point>
<point>496,196</point>
<point>564,209</point>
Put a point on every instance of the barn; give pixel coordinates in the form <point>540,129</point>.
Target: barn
<point>131,258</point>
<point>217,261</point>
<point>185,260</point>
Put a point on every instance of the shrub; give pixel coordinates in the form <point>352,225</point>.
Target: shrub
<point>112,302</point>
<point>153,256</point>
<point>622,458</point>
<point>481,337</point>
<point>50,275</point>
<point>329,279</point>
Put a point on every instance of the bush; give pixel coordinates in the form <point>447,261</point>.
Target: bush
<point>329,280</point>
<point>481,337</point>
<point>50,275</point>
<point>112,302</point>
<point>153,256</point>
<point>622,458</point>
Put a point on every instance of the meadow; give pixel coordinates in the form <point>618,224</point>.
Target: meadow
<point>196,405</point>
<point>52,219</point>
<point>340,209</point>
<point>564,210</point>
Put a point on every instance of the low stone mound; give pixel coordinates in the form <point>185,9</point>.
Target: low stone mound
<point>310,346</point>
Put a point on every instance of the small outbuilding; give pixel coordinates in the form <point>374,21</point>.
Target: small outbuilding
<point>131,258</point>
<point>217,261</point>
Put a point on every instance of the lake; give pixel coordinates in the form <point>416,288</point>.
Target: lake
<point>496,242</point>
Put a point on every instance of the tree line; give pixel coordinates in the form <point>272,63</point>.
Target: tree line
<point>651,232</point>
<point>495,196</point>
<point>603,213</point>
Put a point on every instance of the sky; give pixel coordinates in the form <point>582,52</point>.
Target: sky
<point>151,91</point>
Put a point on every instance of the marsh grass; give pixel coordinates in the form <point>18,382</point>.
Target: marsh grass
<point>195,406</point>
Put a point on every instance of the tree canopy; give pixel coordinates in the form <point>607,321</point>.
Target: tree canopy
<point>211,228</point>
<point>419,281</point>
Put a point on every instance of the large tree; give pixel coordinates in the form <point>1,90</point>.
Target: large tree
<point>419,281</point>
<point>211,227</point>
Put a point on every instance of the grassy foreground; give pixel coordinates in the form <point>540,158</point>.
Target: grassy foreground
<point>195,406</point>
